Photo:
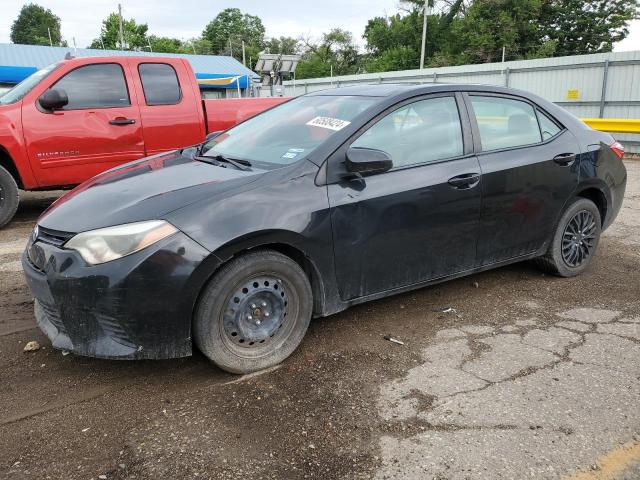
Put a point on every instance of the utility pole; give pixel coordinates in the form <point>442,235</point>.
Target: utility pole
<point>230,47</point>
<point>427,11</point>
<point>50,42</point>
<point>149,43</point>
<point>244,58</point>
<point>120,30</point>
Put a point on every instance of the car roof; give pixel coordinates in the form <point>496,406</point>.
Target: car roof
<point>400,89</point>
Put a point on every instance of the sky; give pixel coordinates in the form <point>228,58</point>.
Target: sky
<point>81,19</point>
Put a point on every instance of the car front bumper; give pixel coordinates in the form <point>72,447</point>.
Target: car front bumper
<point>136,307</point>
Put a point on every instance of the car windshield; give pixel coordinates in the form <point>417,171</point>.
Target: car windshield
<point>25,86</point>
<point>288,132</point>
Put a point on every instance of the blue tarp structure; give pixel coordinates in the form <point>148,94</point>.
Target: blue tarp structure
<point>17,62</point>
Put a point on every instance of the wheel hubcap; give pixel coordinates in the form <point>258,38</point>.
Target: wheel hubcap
<point>578,239</point>
<point>255,312</point>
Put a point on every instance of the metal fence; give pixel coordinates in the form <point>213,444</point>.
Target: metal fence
<point>603,85</point>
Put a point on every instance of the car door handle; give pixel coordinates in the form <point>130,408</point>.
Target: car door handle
<point>565,159</point>
<point>122,121</point>
<point>466,180</point>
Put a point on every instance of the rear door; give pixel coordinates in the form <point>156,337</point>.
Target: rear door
<point>170,104</point>
<point>529,171</point>
<point>417,221</point>
<point>99,128</point>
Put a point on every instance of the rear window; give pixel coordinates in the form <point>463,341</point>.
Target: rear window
<point>505,122</point>
<point>159,83</point>
<point>548,127</point>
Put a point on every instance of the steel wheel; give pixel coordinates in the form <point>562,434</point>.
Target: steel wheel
<point>579,238</point>
<point>255,313</point>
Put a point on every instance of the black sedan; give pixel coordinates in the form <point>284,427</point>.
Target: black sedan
<point>329,200</point>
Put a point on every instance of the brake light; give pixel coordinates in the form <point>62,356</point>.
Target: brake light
<point>618,149</point>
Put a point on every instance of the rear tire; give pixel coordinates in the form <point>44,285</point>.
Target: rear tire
<point>9,197</point>
<point>254,312</point>
<point>575,240</point>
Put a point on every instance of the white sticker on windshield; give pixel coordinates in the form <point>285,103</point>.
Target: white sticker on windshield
<point>328,122</point>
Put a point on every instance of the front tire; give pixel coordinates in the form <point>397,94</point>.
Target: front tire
<point>575,240</point>
<point>254,312</point>
<point>9,197</point>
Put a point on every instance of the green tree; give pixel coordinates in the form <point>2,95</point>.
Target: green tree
<point>586,26</point>
<point>489,25</point>
<point>165,44</point>
<point>283,45</point>
<point>197,46</point>
<point>135,35</point>
<point>395,42</point>
<point>33,25</point>
<point>336,51</point>
<point>230,28</point>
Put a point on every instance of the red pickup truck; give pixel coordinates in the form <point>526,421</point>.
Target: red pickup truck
<point>81,116</point>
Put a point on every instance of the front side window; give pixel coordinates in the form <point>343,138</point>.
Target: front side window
<point>505,122</point>
<point>421,132</point>
<point>291,131</point>
<point>159,83</point>
<point>101,85</point>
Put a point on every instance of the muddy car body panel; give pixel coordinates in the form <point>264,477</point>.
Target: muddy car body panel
<point>357,237</point>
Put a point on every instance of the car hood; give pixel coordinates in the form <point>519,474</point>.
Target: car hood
<point>142,190</point>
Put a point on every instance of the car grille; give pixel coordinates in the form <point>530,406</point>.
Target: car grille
<point>35,253</point>
<point>53,237</point>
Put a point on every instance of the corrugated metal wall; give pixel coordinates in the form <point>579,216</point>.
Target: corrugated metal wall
<point>605,85</point>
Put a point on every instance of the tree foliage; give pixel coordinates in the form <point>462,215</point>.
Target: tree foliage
<point>475,31</point>
<point>586,26</point>
<point>336,52</point>
<point>135,35</point>
<point>230,28</point>
<point>283,45</point>
<point>33,24</point>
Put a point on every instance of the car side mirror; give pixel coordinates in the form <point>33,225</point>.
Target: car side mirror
<point>366,161</point>
<point>53,99</point>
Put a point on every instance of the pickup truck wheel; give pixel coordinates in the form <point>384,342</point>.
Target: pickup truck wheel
<point>575,240</point>
<point>254,312</point>
<point>9,197</point>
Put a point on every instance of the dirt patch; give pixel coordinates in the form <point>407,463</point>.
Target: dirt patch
<point>317,416</point>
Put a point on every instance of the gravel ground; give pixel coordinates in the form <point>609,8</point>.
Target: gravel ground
<point>531,376</point>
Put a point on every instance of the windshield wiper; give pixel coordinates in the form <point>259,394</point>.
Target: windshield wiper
<point>239,164</point>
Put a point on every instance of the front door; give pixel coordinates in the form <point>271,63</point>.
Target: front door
<point>98,129</point>
<point>529,171</point>
<point>419,220</point>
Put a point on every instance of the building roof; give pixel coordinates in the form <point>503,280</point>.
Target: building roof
<point>22,60</point>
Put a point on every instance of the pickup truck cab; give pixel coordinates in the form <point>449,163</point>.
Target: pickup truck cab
<point>81,116</point>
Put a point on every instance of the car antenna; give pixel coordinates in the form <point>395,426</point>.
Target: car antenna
<point>68,56</point>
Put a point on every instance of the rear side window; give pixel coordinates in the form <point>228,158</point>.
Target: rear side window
<point>160,84</point>
<point>548,127</point>
<point>505,123</point>
<point>420,132</point>
<point>101,85</point>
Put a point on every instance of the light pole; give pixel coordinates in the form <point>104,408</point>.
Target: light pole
<point>427,11</point>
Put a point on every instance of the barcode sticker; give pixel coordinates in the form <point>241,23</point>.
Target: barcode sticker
<point>328,122</point>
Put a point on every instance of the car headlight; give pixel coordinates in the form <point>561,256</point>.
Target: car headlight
<point>111,243</point>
